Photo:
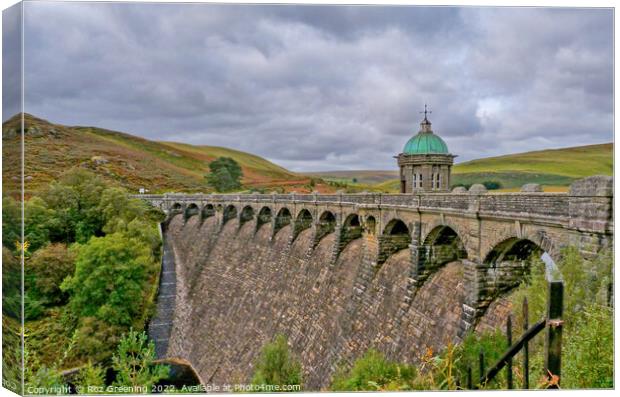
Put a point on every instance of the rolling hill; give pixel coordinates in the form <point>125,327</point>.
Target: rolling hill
<point>128,160</point>
<point>553,168</point>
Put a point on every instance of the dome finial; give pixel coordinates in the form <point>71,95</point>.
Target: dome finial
<point>425,125</point>
<point>425,112</point>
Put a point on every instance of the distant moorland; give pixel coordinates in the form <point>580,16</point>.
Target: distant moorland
<point>555,169</point>
<point>127,160</point>
<point>134,162</point>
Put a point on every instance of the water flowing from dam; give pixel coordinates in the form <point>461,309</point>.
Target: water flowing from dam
<point>236,288</point>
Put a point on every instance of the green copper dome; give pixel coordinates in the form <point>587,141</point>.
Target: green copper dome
<point>425,142</point>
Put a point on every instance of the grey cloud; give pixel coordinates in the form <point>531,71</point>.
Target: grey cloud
<point>11,61</point>
<point>320,87</point>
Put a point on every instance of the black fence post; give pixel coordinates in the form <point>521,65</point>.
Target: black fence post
<point>509,361</point>
<point>553,359</point>
<point>526,349</point>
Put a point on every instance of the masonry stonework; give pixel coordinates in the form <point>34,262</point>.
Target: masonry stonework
<point>341,273</point>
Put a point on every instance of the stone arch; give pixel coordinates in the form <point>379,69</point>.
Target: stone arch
<point>264,216</point>
<point>283,218</point>
<point>190,211</point>
<point>302,222</point>
<point>395,237</point>
<point>505,266</point>
<point>176,207</point>
<point>395,227</point>
<point>325,226</point>
<point>207,211</point>
<point>370,225</point>
<point>440,246</point>
<point>351,230</point>
<point>460,231</point>
<point>230,212</point>
<point>247,214</point>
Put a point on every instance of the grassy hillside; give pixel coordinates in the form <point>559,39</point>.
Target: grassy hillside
<point>575,162</point>
<point>130,161</point>
<point>360,176</point>
<point>555,169</point>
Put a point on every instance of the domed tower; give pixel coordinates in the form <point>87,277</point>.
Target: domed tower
<point>425,162</point>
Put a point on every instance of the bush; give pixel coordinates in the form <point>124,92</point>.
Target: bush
<point>48,267</point>
<point>111,274</point>
<point>587,357</point>
<point>11,284</point>
<point>493,344</point>
<point>588,350</point>
<point>275,365</point>
<point>95,339</point>
<point>492,185</point>
<point>11,222</point>
<point>134,362</point>
<point>90,376</point>
<point>373,372</point>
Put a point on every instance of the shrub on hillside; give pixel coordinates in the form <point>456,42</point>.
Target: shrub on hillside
<point>11,284</point>
<point>47,268</point>
<point>372,372</point>
<point>11,222</point>
<point>134,363</point>
<point>492,185</point>
<point>276,366</point>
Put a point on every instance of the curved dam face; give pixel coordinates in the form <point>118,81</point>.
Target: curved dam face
<point>238,287</point>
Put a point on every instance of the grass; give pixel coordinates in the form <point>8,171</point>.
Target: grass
<point>129,161</point>
<point>555,169</point>
<point>574,162</point>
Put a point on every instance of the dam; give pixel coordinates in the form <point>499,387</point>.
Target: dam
<point>341,273</point>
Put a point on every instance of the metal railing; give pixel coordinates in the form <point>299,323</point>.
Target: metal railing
<point>552,322</point>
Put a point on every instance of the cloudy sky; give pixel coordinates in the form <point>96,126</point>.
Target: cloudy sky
<point>320,87</point>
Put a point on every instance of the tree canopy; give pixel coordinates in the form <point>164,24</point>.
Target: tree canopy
<point>225,174</point>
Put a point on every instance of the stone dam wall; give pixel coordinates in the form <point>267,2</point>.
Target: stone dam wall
<point>236,288</point>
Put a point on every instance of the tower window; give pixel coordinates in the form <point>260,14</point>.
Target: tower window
<point>415,180</point>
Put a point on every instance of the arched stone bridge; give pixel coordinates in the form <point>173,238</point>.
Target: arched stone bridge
<point>491,234</point>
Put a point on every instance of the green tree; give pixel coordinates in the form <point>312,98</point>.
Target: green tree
<point>37,220</point>
<point>275,365</point>
<point>47,268</point>
<point>95,339</point>
<point>89,377</point>
<point>111,273</point>
<point>11,222</point>
<point>225,174</point>
<point>118,209</point>
<point>75,198</point>
<point>134,362</point>
<point>11,284</point>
